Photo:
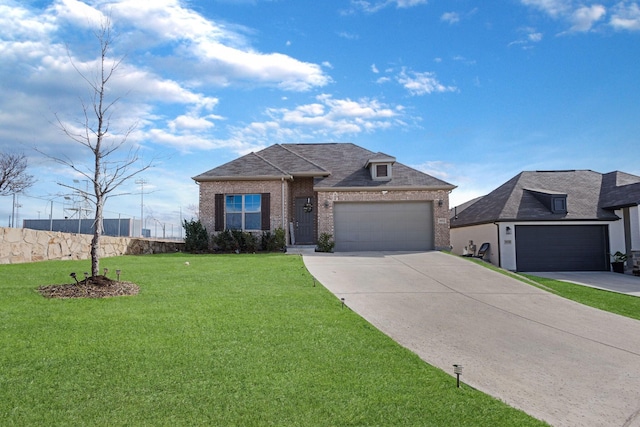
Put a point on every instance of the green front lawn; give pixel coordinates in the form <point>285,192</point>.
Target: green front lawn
<point>625,305</point>
<point>229,340</point>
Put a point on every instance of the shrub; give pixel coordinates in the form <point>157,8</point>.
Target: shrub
<point>273,242</point>
<point>225,241</point>
<point>235,241</point>
<point>325,243</point>
<point>196,237</point>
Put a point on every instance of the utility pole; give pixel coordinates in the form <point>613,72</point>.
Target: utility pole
<point>141,182</point>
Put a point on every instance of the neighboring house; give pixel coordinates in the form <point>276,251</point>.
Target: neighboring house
<point>553,221</point>
<point>365,200</point>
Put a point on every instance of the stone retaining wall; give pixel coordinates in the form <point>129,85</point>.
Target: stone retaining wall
<point>18,245</point>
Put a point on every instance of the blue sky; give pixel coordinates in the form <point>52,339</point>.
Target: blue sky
<point>470,92</point>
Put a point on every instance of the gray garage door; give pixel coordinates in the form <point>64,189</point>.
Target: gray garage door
<point>562,247</point>
<point>378,226</point>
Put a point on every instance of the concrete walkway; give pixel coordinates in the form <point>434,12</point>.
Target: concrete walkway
<point>559,361</point>
<point>614,282</point>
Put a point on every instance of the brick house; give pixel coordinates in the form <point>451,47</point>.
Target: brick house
<point>365,200</point>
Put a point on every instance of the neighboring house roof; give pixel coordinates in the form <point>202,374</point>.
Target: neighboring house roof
<point>623,190</point>
<point>589,196</point>
<point>333,165</point>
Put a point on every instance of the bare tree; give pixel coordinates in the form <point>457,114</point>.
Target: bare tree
<point>13,176</point>
<point>109,167</point>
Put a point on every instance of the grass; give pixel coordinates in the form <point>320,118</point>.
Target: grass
<point>237,340</point>
<point>625,305</point>
<point>613,302</point>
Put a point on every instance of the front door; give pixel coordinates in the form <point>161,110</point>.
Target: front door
<point>304,220</point>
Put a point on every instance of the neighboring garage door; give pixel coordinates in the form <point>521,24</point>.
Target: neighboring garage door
<point>562,247</point>
<point>383,226</point>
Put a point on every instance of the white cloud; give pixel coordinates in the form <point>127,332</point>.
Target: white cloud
<point>189,122</point>
<point>374,69</point>
<point>581,17</point>
<point>410,3</point>
<point>39,79</point>
<point>78,13</point>
<point>554,8</point>
<point>376,6</point>
<point>348,36</point>
<point>209,48</point>
<point>534,37</point>
<point>20,23</point>
<point>422,83</point>
<point>584,17</point>
<point>626,16</point>
<point>337,117</point>
<point>462,59</point>
<point>529,36</point>
<point>450,17</point>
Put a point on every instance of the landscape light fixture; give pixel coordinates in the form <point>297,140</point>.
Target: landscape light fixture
<point>106,270</point>
<point>457,369</point>
<point>118,274</point>
<point>342,299</point>
<point>74,277</point>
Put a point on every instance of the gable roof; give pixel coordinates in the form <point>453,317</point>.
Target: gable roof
<point>333,165</point>
<point>516,199</point>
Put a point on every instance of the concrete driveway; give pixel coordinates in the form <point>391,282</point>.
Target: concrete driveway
<point>557,360</point>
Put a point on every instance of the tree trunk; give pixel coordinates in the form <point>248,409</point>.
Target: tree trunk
<point>95,241</point>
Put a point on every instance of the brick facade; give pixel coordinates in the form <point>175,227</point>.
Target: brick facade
<point>282,214</point>
<point>209,189</point>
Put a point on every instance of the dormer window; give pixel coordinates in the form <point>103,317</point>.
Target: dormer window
<point>559,203</point>
<point>381,167</point>
<point>555,201</point>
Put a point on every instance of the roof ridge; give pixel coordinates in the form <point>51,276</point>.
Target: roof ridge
<point>303,158</point>
<point>268,162</point>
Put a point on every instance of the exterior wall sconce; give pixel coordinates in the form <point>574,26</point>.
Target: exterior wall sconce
<point>508,230</point>
<point>326,204</point>
<point>440,203</point>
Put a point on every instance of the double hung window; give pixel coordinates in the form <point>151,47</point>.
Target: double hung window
<point>243,211</point>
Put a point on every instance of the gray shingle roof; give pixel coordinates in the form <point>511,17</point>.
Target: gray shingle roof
<point>623,190</point>
<point>334,165</point>
<point>248,166</point>
<point>588,195</point>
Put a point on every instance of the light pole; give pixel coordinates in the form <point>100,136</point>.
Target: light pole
<point>141,182</point>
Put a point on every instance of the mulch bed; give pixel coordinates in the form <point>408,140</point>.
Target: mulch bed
<point>92,287</point>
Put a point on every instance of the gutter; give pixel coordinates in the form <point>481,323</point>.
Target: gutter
<point>384,188</point>
<point>241,178</point>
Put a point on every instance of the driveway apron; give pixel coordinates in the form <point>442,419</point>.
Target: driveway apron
<point>557,360</point>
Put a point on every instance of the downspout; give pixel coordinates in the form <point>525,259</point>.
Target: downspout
<point>499,242</point>
<point>284,224</point>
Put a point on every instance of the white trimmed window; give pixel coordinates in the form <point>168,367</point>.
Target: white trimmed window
<point>243,212</point>
<point>381,171</point>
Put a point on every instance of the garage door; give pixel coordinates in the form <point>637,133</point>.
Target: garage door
<point>562,247</point>
<point>375,226</point>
